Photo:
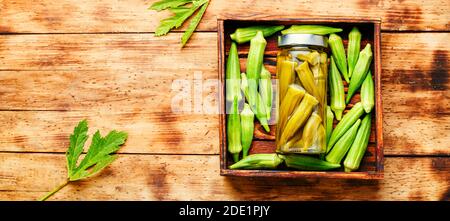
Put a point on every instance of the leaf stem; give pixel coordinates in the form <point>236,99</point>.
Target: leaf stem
<point>49,194</point>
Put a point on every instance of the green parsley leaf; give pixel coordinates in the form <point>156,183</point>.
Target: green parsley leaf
<point>100,154</point>
<point>77,141</point>
<point>193,25</point>
<point>181,14</point>
<point>164,4</point>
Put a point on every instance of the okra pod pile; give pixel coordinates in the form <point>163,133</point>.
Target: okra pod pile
<point>255,86</point>
<point>305,120</point>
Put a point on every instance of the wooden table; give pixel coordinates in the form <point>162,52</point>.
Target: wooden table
<point>63,61</point>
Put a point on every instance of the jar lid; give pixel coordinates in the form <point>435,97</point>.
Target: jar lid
<point>290,40</point>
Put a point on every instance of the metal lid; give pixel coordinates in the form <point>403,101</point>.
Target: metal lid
<point>290,40</point>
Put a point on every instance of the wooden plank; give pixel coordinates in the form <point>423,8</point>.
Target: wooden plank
<point>106,78</point>
<point>150,177</point>
<point>44,16</point>
<point>159,132</point>
<point>148,132</point>
<point>422,82</point>
<point>131,69</point>
<point>411,134</point>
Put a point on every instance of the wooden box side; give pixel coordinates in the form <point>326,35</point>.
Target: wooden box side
<point>378,158</point>
<point>222,125</point>
<point>378,101</point>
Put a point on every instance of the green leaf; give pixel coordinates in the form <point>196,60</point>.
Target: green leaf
<point>99,154</point>
<point>193,25</point>
<point>181,14</point>
<point>77,141</point>
<point>164,4</point>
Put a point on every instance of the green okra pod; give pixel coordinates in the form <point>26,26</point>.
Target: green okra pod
<point>232,75</point>
<point>354,44</point>
<point>234,131</point>
<point>311,141</point>
<point>254,66</point>
<point>261,113</point>
<point>242,35</point>
<point>360,71</point>
<point>313,58</point>
<point>347,121</point>
<point>265,89</point>
<point>306,78</point>
<point>293,97</point>
<point>343,145</point>
<point>368,93</point>
<point>321,141</point>
<point>310,29</point>
<point>337,93</point>
<point>244,85</point>
<point>247,127</point>
<point>310,131</point>
<point>324,63</point>
<point>258,161</point>
<point>303,162</point>
<point>359,146</point>
<point>260,107</point>
<point>330,117</point>
<point>322,80</point>
<point>338,53</point>
<point>286,77</point>
<point>298,118</point>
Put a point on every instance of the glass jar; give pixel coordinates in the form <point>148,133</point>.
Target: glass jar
<point>302,69</point>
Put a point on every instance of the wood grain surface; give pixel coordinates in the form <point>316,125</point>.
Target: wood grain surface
<point>62,61</point>
<point>168,177</point>
<point>76,16</point>
<point>120,80</point>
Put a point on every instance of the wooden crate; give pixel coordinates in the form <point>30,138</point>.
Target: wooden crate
<point>372,163</point>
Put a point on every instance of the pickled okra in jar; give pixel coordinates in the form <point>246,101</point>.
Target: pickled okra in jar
<point>302,68</point>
